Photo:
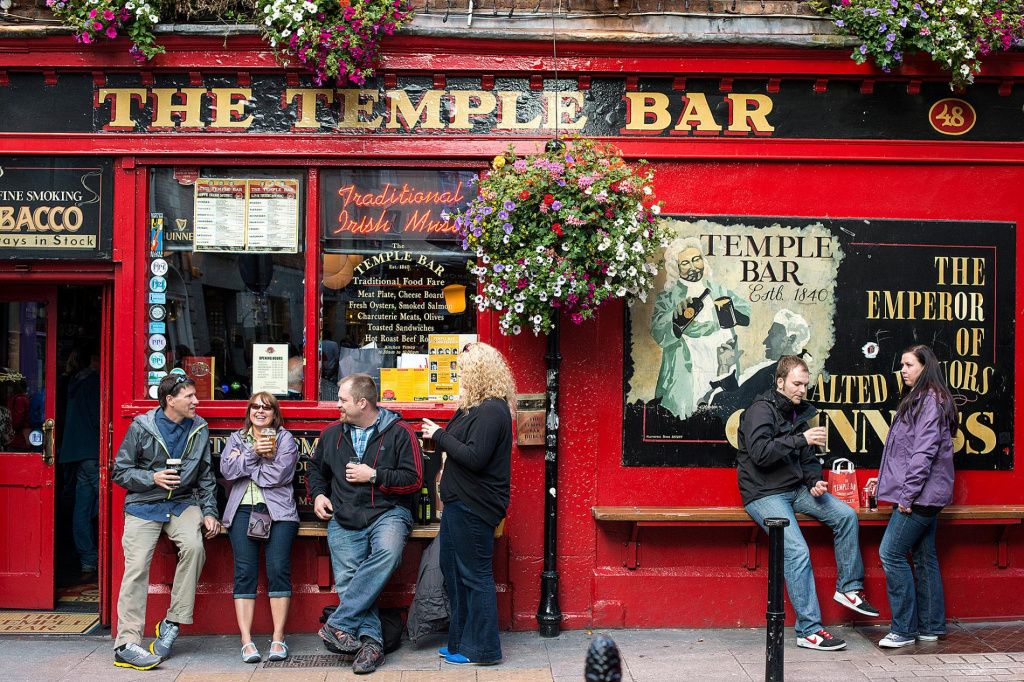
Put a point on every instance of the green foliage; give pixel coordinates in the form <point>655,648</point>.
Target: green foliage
<point>565,230</point>
<point>97,20</point>
<point>956,33</point>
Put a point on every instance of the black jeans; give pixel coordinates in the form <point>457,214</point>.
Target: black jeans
<point>467,552</point>
<point>246,551</point>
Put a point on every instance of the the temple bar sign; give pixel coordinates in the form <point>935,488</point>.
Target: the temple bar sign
<point>53,207</point>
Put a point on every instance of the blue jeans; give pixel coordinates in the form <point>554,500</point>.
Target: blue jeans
<point>467,552</point>
<point>246,551</point>
<point>835,514</point>
<point>363,561</point>
<point>921,610</point>
<point>87,489</point>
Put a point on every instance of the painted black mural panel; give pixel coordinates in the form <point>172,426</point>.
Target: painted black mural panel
<point>847,295</point>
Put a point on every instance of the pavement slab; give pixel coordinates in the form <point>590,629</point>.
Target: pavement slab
<point>664,655</point>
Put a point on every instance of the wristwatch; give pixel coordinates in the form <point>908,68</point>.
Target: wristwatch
<point>373,477</point>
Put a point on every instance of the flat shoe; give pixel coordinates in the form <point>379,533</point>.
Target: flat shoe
<point>278,655</point>
<point>252,657</point>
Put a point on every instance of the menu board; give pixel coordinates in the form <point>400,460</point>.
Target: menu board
<point>233,216</point>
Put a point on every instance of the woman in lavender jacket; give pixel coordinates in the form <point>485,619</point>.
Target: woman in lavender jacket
<point>916,476</point>
<point>259,468</point>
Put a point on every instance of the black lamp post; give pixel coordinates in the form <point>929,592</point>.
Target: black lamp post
<point>549,615</point>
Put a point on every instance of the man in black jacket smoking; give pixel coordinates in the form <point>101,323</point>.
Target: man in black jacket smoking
<point>779,476</point>
<point>363,479</point>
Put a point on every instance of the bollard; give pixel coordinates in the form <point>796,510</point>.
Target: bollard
<point>776,614</point>
<point>603,664</point>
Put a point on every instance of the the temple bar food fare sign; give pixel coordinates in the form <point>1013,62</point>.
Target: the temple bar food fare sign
<point>410,285</point>
<point>738,293</point>
<point>54,207</point>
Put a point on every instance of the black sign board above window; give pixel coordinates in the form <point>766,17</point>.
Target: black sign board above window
<point>55,207</point>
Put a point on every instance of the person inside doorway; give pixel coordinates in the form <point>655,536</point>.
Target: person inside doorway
<point>79,453</point>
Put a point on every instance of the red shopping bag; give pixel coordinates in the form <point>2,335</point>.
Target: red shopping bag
<point>842,482</point>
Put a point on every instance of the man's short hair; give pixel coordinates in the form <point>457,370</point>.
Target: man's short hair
<point>361,386</point>
<point>171,385</point>
<point>787,363</point>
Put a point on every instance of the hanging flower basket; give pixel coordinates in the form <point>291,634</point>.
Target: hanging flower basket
<point>957,34</point>
<point>566,230</point>
<point>96,20</point>
<point>335,39</point>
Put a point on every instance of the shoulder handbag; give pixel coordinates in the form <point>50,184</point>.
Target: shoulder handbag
<point>259,521</point>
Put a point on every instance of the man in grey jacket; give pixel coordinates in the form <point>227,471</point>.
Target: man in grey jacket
<point>179,501</point>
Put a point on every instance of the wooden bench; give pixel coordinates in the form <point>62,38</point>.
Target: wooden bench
<point>1005,516</point>
<point>318,529</point>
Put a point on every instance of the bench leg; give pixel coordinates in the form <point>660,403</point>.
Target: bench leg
<point>631,556</point>
<point>751,562</point>
<point>1003,548</point>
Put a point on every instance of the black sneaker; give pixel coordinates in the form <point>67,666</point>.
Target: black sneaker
<point>339,641</point>
<point>823,640</point>
<point>856,601</point>
<point>369,658</point>
<point>133,656</point>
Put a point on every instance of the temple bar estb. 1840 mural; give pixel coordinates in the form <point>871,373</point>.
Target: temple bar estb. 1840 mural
<point>737,293</point>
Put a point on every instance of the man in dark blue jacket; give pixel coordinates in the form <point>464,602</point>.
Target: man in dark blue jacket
<point>780,476</point>
<point>364,478</point>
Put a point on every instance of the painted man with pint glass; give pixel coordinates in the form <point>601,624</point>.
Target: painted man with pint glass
<point>164,464</point>
<point>780,476</point>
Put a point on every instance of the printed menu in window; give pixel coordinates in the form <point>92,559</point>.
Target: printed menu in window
<point>238,216</point>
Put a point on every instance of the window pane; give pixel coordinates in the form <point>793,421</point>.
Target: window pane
<point>394,275</point>
<point>22,375</point>
<point>225,288</point>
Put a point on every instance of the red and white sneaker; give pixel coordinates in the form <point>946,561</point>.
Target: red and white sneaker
<point>823,640</point>
<point>856,601</point>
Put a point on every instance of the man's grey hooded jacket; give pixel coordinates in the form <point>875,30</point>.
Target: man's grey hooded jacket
<point>143,452</point>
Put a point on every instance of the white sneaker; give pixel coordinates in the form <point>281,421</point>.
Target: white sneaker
<point>823,640</point>
<point>894,641</point>
<point>856,601</point>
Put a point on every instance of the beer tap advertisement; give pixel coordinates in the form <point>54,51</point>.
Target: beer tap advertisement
<point>848,296</point>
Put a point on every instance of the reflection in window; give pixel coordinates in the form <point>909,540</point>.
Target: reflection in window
<point>219,303</point>
<point>22,373</point>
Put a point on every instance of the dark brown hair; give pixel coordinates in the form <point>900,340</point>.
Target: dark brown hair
<point>266,399</point>
<point>361,386</point>
<point>930,382</point>
<point>171,385</point>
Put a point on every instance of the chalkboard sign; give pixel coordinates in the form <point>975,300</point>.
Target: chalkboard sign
<point>55,207</point>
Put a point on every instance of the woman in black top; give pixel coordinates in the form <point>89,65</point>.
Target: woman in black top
<point>475,491</point>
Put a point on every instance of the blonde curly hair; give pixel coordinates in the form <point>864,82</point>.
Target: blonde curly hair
<point>483,374</point>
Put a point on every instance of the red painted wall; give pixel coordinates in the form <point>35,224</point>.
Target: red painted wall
<point>688,576</point>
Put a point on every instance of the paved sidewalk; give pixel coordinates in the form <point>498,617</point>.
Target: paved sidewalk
<point>648,656</point>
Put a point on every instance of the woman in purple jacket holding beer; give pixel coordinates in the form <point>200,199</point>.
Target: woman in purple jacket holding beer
<point>916,476</point>
<point>258,462</point>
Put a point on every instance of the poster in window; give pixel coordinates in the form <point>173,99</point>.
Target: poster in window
<point>848,296</point>
<point>259,215</point>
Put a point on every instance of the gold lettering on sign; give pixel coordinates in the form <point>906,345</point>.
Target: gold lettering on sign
<point>426,114</point>
<point>356,105</point>
<point>228,106</point>
<point>306,100</point>
<point>468,104</point>
<point>647,112</point>
<point>697,116</point>
<point>749,114</point>
<point>121,106</point>
<point>508,114</point>
<point>188,107</point>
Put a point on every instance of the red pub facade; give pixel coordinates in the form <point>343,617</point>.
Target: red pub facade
<point>211,205</point>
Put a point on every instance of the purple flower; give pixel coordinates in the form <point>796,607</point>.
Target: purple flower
<point>883,28</point>
<point>888,46</point>
<point>903,22</point>
<point>891,37</point>
<point>502,215</point>
<point>445,215</point>
<point>569,159</point>
<point>555,205</point>
<point>507,227</point>
<point>509,205</point>
<point>863,49</point>
<point>498,267</point>
<point>840,23</point>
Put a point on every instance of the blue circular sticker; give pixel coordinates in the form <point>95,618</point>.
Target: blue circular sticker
<point>158,284</point>
<point>35,438</point>
<point>157,360</point>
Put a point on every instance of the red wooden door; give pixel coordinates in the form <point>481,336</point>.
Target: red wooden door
<point>28,345</point>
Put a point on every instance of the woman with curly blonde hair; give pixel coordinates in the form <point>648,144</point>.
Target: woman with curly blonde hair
<point>475,492</point>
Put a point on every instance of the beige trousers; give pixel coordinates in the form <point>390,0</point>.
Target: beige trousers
<point>139,542</point>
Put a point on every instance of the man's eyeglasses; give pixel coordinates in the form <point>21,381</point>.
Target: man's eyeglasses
<point>258,407</point>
